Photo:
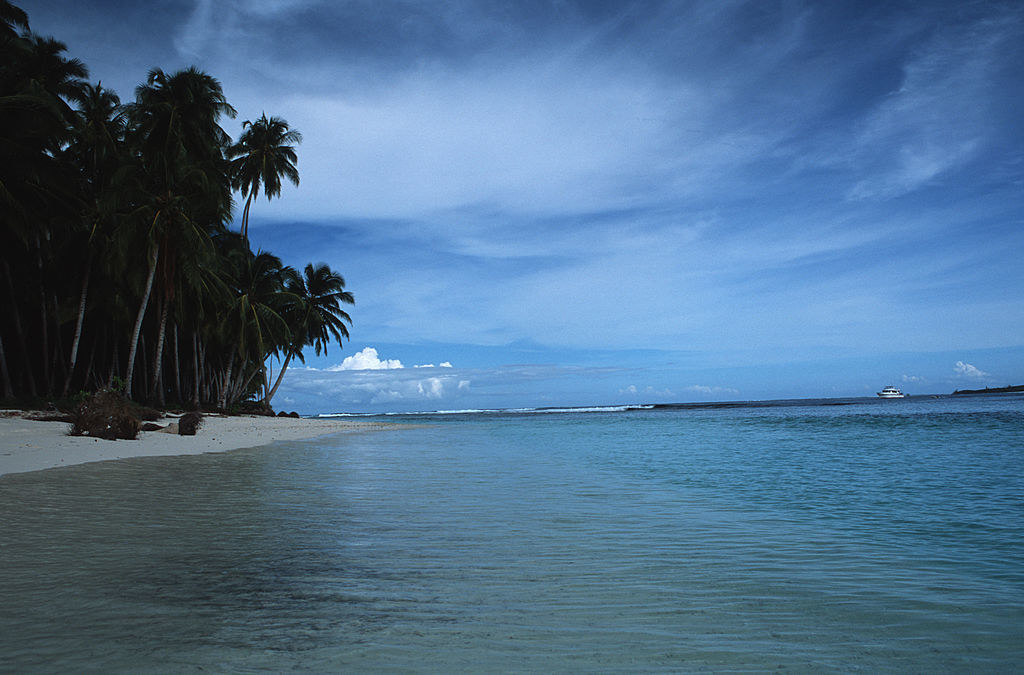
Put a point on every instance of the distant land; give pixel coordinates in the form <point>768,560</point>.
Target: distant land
<point>995,390</point>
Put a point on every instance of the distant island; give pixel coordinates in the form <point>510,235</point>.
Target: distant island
<point>995,390</point>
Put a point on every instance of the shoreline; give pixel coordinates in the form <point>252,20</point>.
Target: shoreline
<point>30,445</point>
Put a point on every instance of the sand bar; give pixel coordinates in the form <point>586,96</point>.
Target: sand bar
<point>29,445</point>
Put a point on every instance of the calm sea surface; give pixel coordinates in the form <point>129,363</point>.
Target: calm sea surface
<point>878,536</point>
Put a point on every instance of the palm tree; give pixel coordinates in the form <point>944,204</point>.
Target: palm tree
<point>177,116</point>
<point>36,83</point>
<point>96,148</point>
<point>263,154</point>
<point>11,17</point>
<point>36,189</point>
<point>61,77</point>
<point>108,209</point>
<point>181,179</point>
<point>316,314</point>
<point>253,324</point>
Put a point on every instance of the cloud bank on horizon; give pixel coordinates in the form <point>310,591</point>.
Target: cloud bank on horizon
<point>739,199</point>
<point>365,382</point>
<point>368,359</point>
<point>967,370</point>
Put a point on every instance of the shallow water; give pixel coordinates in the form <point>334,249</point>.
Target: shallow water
<point>881,536</point>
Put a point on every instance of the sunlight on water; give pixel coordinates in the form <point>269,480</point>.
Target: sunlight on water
<point>873,537</point>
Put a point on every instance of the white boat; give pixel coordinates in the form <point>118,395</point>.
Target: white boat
<point>891,392</point>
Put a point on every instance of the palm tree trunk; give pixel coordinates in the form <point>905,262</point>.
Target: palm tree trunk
<point>59,364</point>
<point>242,385</point>
<point>44,319</point>
<point>196,367</point>
<point>266,380</point>
<point>113,365</point>
<point>78,327</point>
<point>158,361</point>
<point>46,342</point>
<point>88,368</point>
<point>154,256</point>
<point>280,376</point>
<point>206,376</point>
<point>177,366</point>
<point>27,363</point>
<point>222,403</point>
<point>143,386</point>
<point>8,389</point>
<point>55,361</point>
<point>245,218</point>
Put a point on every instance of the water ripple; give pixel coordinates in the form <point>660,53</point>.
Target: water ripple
<point>647,540</point>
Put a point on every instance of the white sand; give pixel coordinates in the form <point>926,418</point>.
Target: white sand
<point>28,445</point>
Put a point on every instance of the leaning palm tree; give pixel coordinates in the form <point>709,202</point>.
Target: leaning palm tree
<point>315,313</point>
<point>264,154</point>
<point>252,319</point>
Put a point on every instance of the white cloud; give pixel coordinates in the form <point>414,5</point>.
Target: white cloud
<point>441,140</point>
<point>938,119</point>
<point>913,378</point>
<point>704,390</point>
<point>711,391</point>
<point>967,370</point>
<point>430,388</point>
<point>647,391</point>
<point>367,360</point>
<point>349,388</point>
<point>367,379</point>
<point>195,36</point>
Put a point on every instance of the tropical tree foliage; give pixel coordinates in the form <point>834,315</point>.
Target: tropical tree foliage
<point>313,314</point>
<point>265,153</point>
<point>119,266</point>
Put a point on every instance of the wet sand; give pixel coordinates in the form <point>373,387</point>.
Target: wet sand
<point>30,445</point>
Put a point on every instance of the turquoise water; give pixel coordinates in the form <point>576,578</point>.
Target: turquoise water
<point>879,536</point>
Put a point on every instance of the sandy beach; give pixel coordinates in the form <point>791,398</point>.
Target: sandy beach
<point>30,445</point>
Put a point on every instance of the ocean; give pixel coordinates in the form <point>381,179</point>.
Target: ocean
<point>825,536</point>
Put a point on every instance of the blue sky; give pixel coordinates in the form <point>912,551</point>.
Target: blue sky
<point>613,202</point>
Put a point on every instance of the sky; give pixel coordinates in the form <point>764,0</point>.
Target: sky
<point>546,203</point>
